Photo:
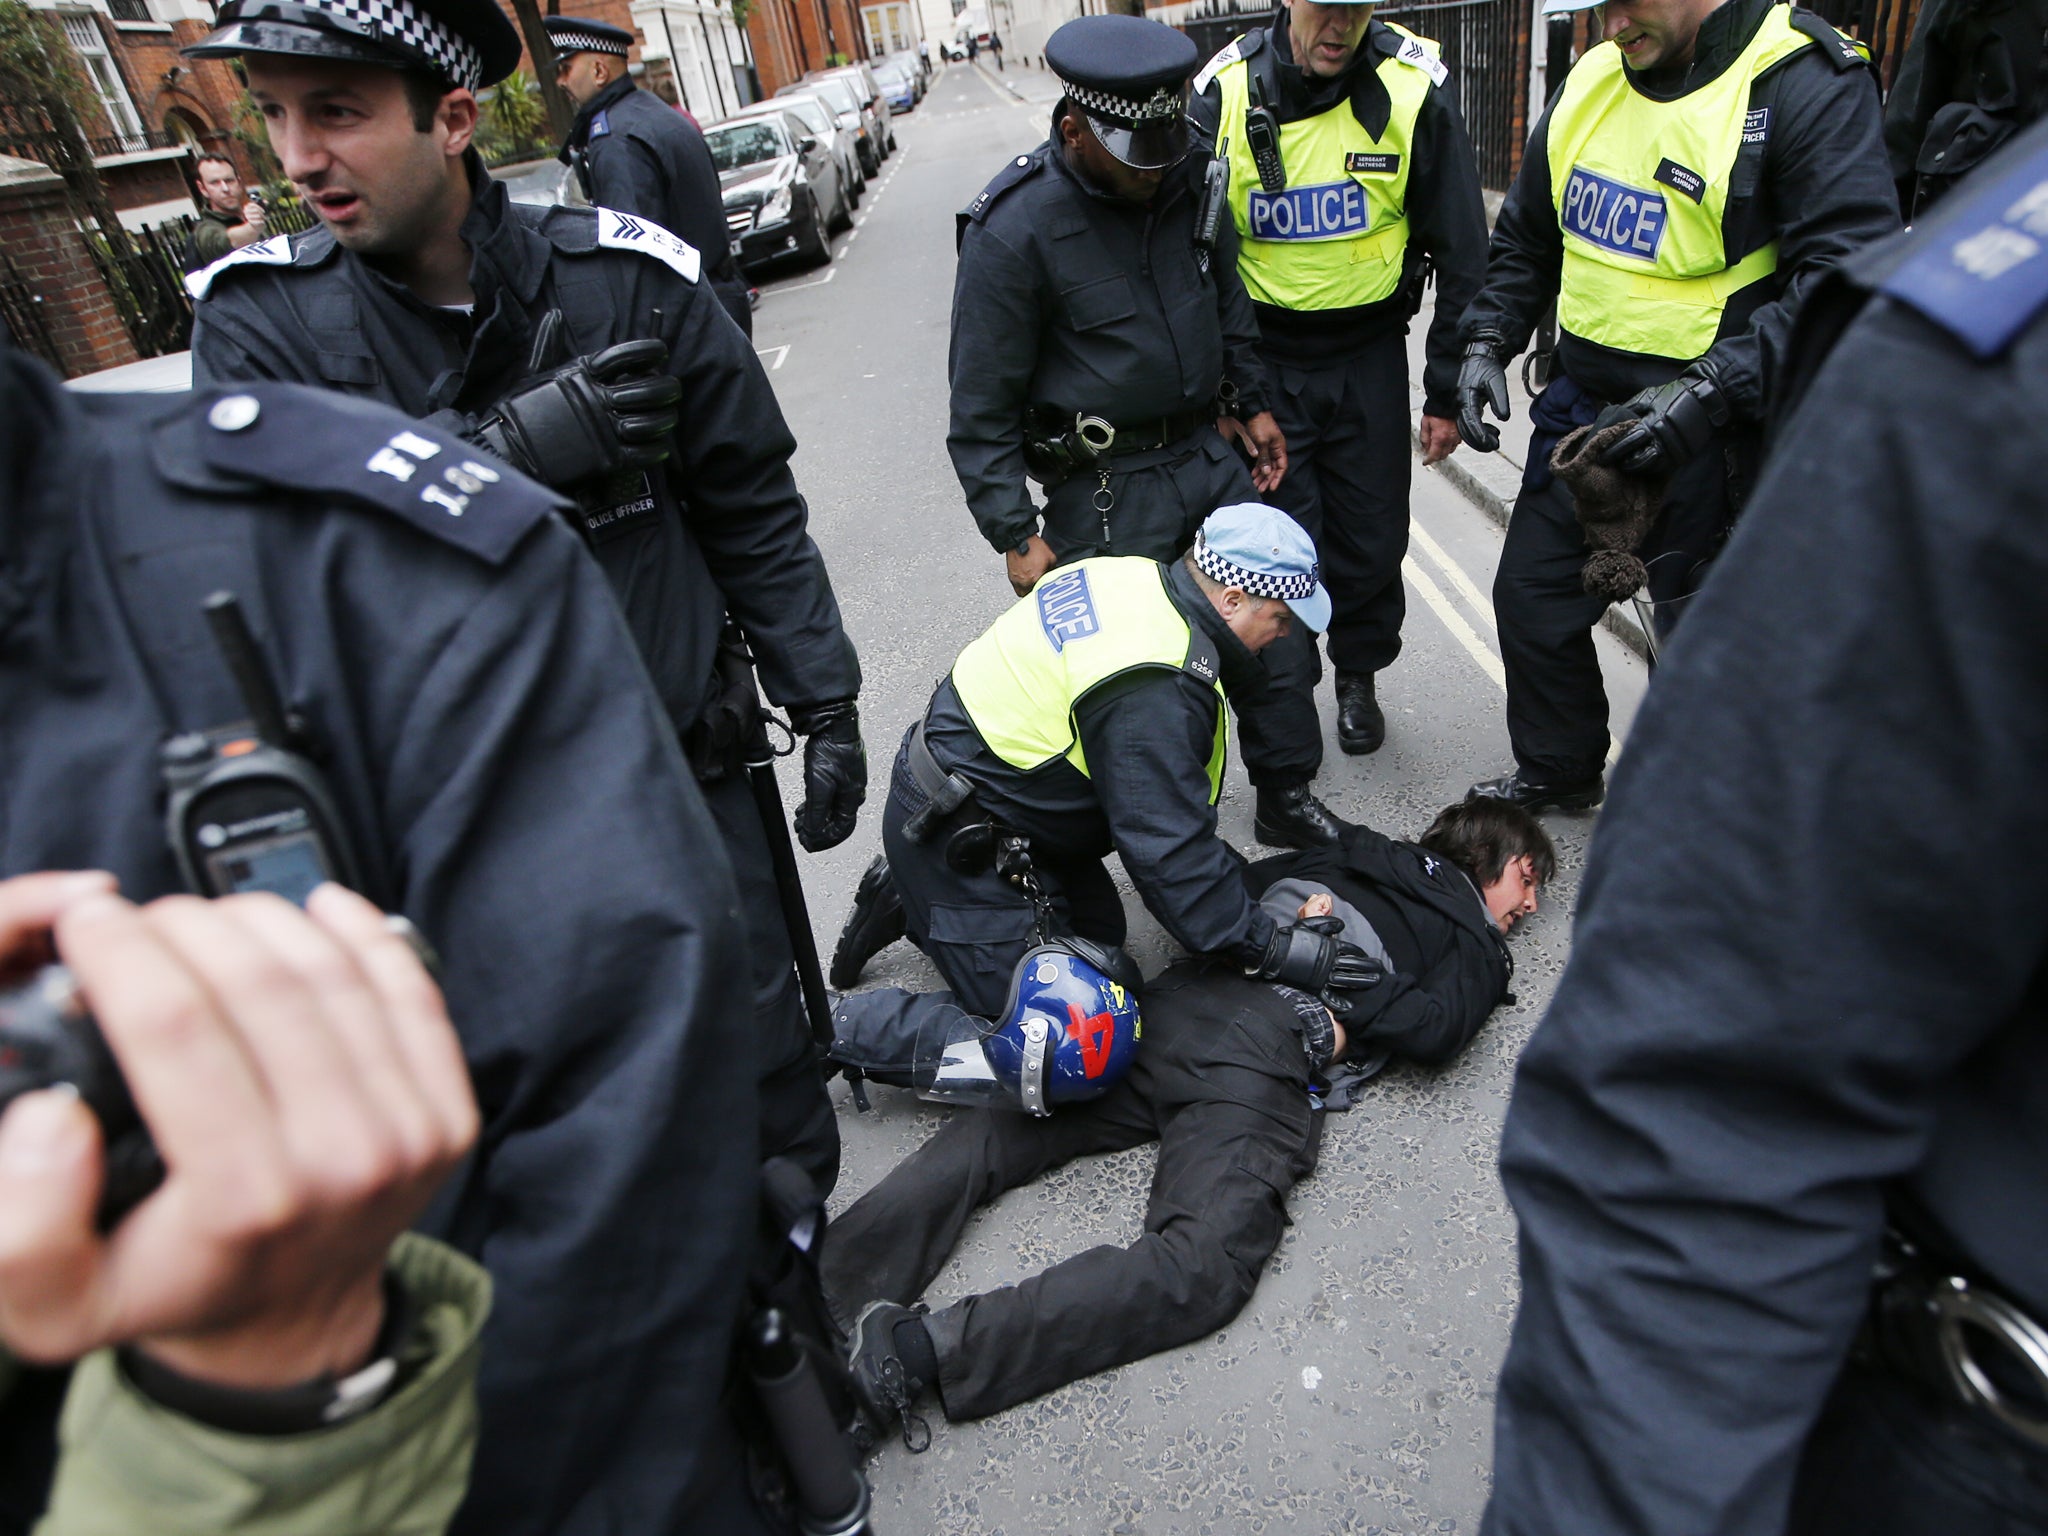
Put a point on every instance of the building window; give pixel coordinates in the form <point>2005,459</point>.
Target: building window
<point>91,48</point>
<point>130,10</point>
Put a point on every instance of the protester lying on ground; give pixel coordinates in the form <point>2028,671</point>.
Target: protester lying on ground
<point>1226,1079</point>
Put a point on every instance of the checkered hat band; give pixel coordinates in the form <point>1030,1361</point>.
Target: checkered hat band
<point>586,42</point>
<point>1162,106</point>
<point>1257,583</point>
<point>398,22</point>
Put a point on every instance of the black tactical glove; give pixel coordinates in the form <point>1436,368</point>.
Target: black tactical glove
<point>610,411</point>
<point>835,774</point>
<point>1482,381</point>
<point>1309,957</point>
<point>1673,423</point>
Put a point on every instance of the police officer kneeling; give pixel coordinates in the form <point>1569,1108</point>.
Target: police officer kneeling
<point>1697,174</point>
<point>1090,718</point>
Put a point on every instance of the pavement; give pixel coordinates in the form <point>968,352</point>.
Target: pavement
<point>1355,1392</point>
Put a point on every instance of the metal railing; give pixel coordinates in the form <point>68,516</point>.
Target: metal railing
<point>21,314</point>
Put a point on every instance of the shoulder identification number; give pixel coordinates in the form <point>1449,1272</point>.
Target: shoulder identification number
<point>274,252</point>
<point>1230,54</point>
<point>622,232</point>
<point>1415,56</point>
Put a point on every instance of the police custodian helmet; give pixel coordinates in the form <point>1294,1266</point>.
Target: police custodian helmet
<point>468,43</point>
<point>1129,77</point>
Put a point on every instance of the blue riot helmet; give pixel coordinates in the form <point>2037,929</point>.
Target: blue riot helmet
<point>1067,1034</point>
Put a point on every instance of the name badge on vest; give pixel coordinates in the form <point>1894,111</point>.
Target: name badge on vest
<point>1679,179</point>
<point>1332,211</point>
<point>623,505</point>
<point>1373,165</point>
<point>1756,125</point>
<point>1614,216</point>
<point>1066,608</point>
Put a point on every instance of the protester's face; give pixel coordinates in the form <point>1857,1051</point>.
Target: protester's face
<point>583,75</point>
<point>344,133</point>
<point>221,187</point>
<point>1654,34</point>
<point>1513,896</point>
<point>1326,37</point>
<point>1103,168</point>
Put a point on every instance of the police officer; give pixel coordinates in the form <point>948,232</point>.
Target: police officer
<point>425,286</point>
<point>1975,73</point>
<point>1330,101</point>
<point>1090,719</point>
<point>1698,172</point>
<point>634,152</point>
<point>1806,1000</point>
<point>1098,334</point>
<point>452,660</point>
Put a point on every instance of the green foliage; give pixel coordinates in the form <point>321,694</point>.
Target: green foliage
<point>246,127</point>
<point>741,10</point>
<point>47,105</point>
<point>514,124</point>
<point>837,60</point>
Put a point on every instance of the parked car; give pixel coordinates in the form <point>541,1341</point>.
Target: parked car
<point>899,85</point>
<point>819,118</point>
<point>844,98</point>
<point>543,183</point>
<point>151,376</point>
<point>862,80</point>
<point>783,191</point>
<point>919,71</point>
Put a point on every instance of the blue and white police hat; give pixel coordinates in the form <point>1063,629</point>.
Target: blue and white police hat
<point>582,34</point>
<point>1268,554</point>
<point>1130,77</point>
<point>468,43</point>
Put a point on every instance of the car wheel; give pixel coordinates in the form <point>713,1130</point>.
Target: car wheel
<point>857,179</point>
<point>871,163</point>
<point>844,217</point>
<point>817,248</point>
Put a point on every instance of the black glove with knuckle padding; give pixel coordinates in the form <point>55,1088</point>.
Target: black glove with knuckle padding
<point>835,773</point>
<point>613,410</point>
<point>1672,423</point>
<point>1482,381</point>
<point>1309,957</point>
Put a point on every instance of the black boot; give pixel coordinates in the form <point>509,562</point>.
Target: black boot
<point>875,923</point>
<point>1581,795</point>
<point>1360,725</point>
<point>1294,818</point>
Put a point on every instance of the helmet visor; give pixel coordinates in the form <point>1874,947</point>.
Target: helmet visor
<point>960,1070</point>
<point>1152,144</point>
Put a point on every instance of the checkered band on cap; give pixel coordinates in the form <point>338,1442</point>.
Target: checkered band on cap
<point>399,22</point>
<point>1288,588</point>
<point>585,42</point>
<point>1162,106</point>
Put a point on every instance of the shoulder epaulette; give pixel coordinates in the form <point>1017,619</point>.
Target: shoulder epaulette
<point>343,450</point>
<point>608,229</point>
<point>1842,51</point>
<point>277,251</point>
<point>1020,169</point>
<point>1980,270</point>
<point>600,124</point>
<point>1242,46</point>
<point>1418,53</point>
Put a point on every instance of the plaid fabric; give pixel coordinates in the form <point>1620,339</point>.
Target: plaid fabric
<point>1163,105</point>
<point>401,23</point>
<point>1287,587</point>
<point>571,41</point>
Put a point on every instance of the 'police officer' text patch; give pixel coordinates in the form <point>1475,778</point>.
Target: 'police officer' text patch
<point>1066,609</point>
<point>1332,211</point>
<point>1613,215</point>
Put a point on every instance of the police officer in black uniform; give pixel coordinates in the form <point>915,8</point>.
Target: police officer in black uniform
<point>1806,1001</point>
<point>1099,331</point>
<point>545,333</point>
<point>450,659</point>
<point>634,152</point>
<point>1975,73</point>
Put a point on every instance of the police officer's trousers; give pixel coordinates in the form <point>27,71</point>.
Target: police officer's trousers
<point>1221,1083</point>
<point>1157,502</point>
<point>797,1120</point>
<point>1557,704</point>
<point>1349,463</point>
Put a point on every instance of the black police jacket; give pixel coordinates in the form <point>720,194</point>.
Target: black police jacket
<point>636,153</point>
<point>1975,73</point>
<point>1069,299</point>
<point>507,785</point>
<point>1822,190</point>
<point>308,311</point>
<point>1446,210</point>
<point>1807,976</point>
<point>1451,962</point>
<point>1148,736</point>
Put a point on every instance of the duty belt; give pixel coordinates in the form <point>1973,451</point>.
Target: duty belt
<point>1157,431</point>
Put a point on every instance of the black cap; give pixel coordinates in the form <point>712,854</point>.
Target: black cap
<point>1130,76</point>
<point>581,34</point>
<point>468,43</point>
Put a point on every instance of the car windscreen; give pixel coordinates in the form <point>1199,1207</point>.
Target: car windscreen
<point>812,114</point>
<point>838,92</point>
<point>736,144</point>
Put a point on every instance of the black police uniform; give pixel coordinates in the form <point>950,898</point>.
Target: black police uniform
<point>1072,301</point>
<point>305,309</point>
<point>1975,73</point>
<point>504,783</point>
<point>1819,186</point>
<point>1222,1082</point>
<point>1340,377</point>
<point>1806,992</point>
<point>634,152</point>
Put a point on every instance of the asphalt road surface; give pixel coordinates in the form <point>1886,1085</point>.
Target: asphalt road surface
<point>1355,1393</point>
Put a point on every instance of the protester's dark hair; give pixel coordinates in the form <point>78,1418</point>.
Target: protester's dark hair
<point>213,157</point>
<point>1483,835</point>
<point>423,93</point>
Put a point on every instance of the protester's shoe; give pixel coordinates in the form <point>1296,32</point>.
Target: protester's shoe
<point>875,923</point>
<point>1582,796</point>
<point>887,1388</point>
<point>1360,725</point>
<point>1294,818</point>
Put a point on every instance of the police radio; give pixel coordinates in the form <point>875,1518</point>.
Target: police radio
<point>1215,199</point>
<point>248,810</point>
<point>1262,132</point>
